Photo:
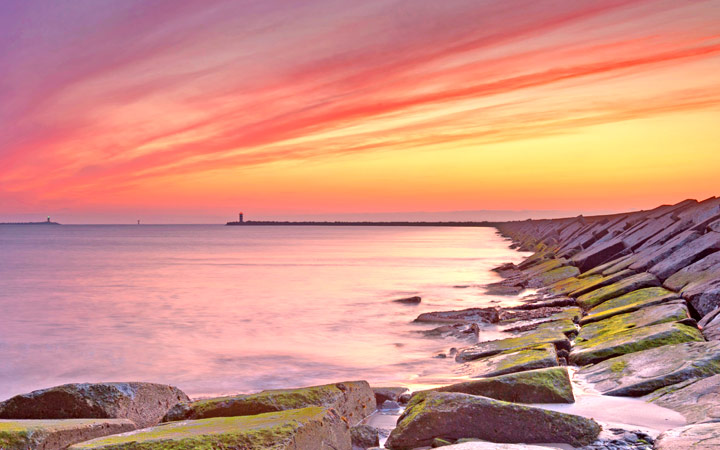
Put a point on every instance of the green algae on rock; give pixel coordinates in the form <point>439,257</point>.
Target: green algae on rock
<point>635,282</point>
<point>552,276</point>
<point>629,302</point>
<point>312,428</point>
<point>631,341</point>
<point>673,311</point>
<point>523,341</point>
<point>602,282</point>
<point>550,385</point>
<point>640,373</point>
<point>454,416</point>
<point>353,400</point>
<point>515,361</point>
<point>57,434</point>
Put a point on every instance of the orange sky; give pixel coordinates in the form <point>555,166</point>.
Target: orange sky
<point>193,110</point>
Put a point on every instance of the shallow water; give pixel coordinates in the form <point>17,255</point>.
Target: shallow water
<point>216,309</point>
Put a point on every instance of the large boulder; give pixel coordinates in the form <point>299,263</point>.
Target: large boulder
<point>143,403</point>
<point>629,302</point>
<point>383,394</point>
<point>650,256</point>
<point>601,281</point>
<point>703,296</point>
<point>631,341</point>
<point>704,436</point>
<point>364,436</point>
<point>673,311</point>
<point>454,416</point>
<point>522,341</point>
<point>312,428</point>
<point>635,282</point>
<point>57,434</point>
<point>470,315</point>
<point>701,271</point>
<point>598,253</point>
<point>697,400</point>
<point>551,385</point>
<point>353,400</point>
<point>710,325</point>
<point>552,276</point>
<point>640,373</point>
<point>532,358</point>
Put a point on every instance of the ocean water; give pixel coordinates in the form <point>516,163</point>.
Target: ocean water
<point>216,310</point>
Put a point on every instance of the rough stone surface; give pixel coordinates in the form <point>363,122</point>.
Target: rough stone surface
<point>643,372</point>
<point>312,428</point>
<point>701,271</point>
<point>673,311</point>
<point>697,400</point>
<point>533,358</point>
<point>470,315</point>
<point>455,416</point>
<point>652,255</point>
<point>353,400</point>
<point>552,276</point>
<point>143,403</point>
<point>526,340</point>
<point>569,285</point>
<point>597,254</point>
<point>703,296</point>
<point>57,434</point>
<point>629,302</point>
<point>364,436</point>
<point>704,436</point>
<point>686,255</point>
<point>635,282</point>
<point>480,445</point>
<point>632,340</point>
<point>388,393</point>
<point>551,385</point>
<point>602,282</point>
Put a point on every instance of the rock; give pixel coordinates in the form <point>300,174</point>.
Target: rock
<point>703,296</point>
<point>631,341</point>
<point>565,326</point>
<point>523,341</point>
<point>629,302</point>
<point>143,403</point>
<point>602,282</point>
<point>484,445</point>
<point>705,436</point>
<point>405,398</point>
<point>470,315</point>
<point>438,442</point>
<point>635,282</point>
<point>540,304</point>
<point>364,436</point>
<point>510,362</point>
<point>650,256</point>
<point>711,327</point>
<point>552,276</point>
<point>569,285</point>
<point>502,288</point>
<point>455,330</point>
<point>388,393</point>
<point>600,270</point>
<point>701,271</point>
<point>312,428</point>
<point>353,400</point>
<point>409,300</point>
<point>551,385</point>
<point>57,434</point>
<point>510,315</point>
<point>643,372</point>
<point>454,416</point>
<point>673,311</point>
<point>597,254</point>
<point>687,254</point>
<point>697,400</point>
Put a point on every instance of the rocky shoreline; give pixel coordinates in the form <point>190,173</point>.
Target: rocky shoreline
<point>628,304</point>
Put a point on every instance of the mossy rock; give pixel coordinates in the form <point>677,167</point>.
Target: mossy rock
<point>454,416</point>
<point>550,385</point>
<point>523,341</point>
<point>312,428</point>
<point>511,362</point>
<point>57,434</point>
<point>640,373</point>
<point>598,270</point>
<point>353,400</point>
<point>568,285</point>
<point>602,282</point>
<point>629,302</point>
<point>631,341</point>
<point>552,276</point>
<point>635,282</point>
<point>674,311</point>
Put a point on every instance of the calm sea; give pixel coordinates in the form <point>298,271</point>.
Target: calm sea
<point>216,309</point>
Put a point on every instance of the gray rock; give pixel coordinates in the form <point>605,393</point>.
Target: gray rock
<point>704,436</point>
<point>686,255</point>
<point>703,296</point>
<point>523,341</point>
<point>364,437</point>
<point>652,255</point>
<point>701,271</point>
<point>388,393</point>
<point>470,315</point>
<point>602,282</point>
<point>143,403</point>
<point>57,434</point>
<point>632,301</point>
<point>454,416</point>
<point>640,373</point>
<point>598,254</point>
<point>635,282</point>
<point>697,400</point>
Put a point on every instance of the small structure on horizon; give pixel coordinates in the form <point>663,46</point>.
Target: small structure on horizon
<point>240,218</point>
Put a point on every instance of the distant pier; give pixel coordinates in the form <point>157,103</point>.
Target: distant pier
<point>360,224</point>
<point>46,222</point>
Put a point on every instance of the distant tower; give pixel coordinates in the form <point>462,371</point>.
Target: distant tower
<point>48,219</point>
<point>240,217</point>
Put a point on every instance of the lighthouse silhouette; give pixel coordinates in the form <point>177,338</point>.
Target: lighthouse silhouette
<point>240,217</point>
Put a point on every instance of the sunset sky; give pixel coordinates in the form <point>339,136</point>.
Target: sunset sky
<point>191,111</point>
